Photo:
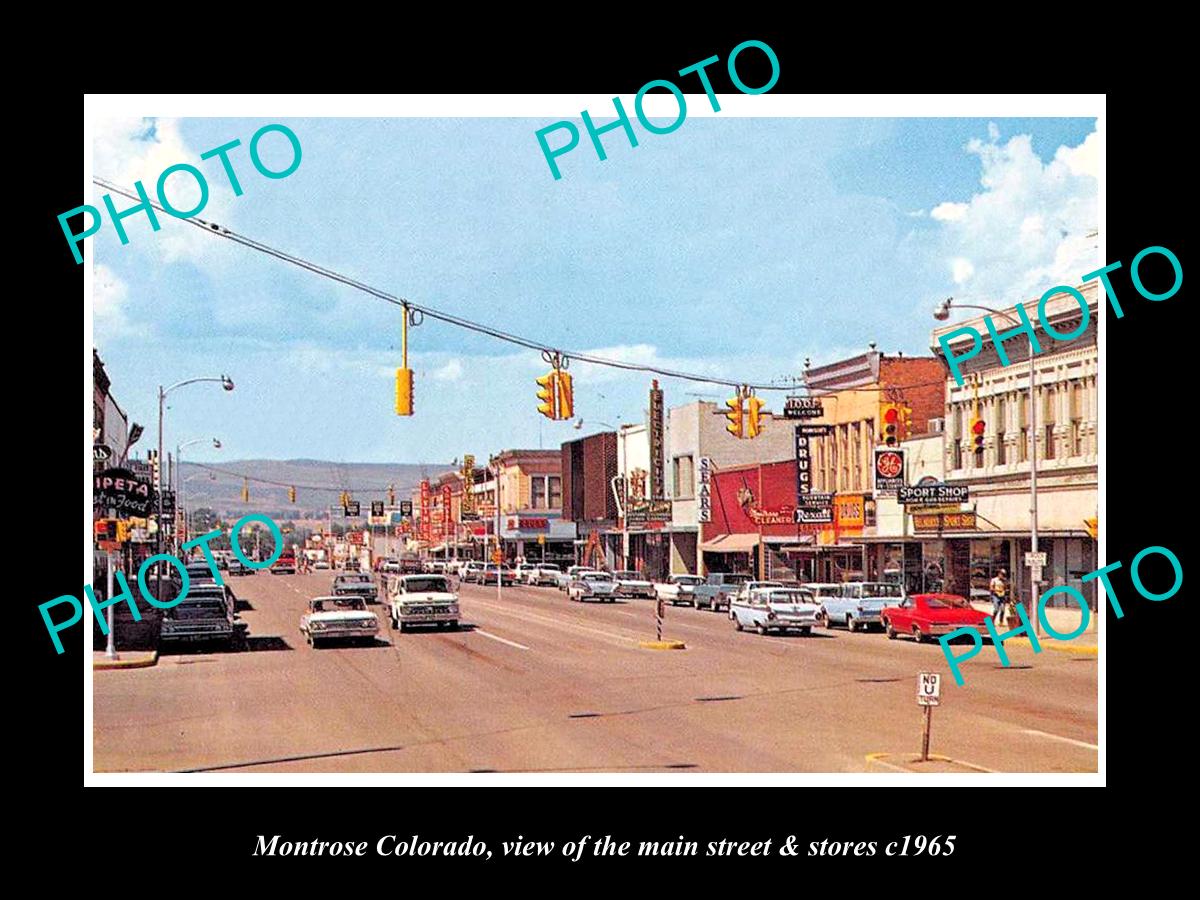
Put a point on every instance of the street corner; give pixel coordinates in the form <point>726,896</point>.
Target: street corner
<point>662,645</point>
<point>101,662</point>
<point>1082,649</point>
<point>912,762</point>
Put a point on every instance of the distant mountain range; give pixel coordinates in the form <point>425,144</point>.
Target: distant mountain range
<point>318,484</point>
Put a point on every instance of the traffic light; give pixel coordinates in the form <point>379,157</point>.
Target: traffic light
<point>906,420</point>
<point>245,490</point>
<point>291,495</point>
<point>391,496</point>
<point>891,424</point>
<point>106,529</point>
<point>548,394</point>
<point>977,430</point>
<point>734,415</point>
<point>754,423</point>
<point>123,529</point>
<point>404,392</point>
<point>566,396</point>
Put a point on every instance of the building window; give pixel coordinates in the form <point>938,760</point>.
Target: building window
<point>1023,415</point>
<point>537,492</point>
<point>685,477</point>
<point>1050,398</point>
<point>1001,415</point>
<point>555,485</point>
<point>1077,418</point>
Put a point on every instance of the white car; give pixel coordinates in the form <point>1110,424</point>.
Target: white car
<point>423,600</point>
<point>677,589</point>
<point>743,592</point>
<point>523,572</point>
<point>776,609</point>
<point>565,578</point>
<point>545,574</point>
<point>330,618</point>
<point>588,585</point>
<point>632,584</point>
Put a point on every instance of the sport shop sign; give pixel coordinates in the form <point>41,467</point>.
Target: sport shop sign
<point>121,490</point>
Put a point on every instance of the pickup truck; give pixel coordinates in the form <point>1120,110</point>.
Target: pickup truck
<point>423,600</point>
<point>717,589</point>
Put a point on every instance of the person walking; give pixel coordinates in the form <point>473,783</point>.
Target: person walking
<point>999,592</point>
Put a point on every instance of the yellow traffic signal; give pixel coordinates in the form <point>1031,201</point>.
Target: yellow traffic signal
<point>566,396</point>
<point>391,496</point>
<point>245,490</point>
<point>548,394</point>
<point>404,392</point>
<point>734,415</point>
<point>122,530</point>
<point>889,417</point>
<point>291,495</point>
<point>754,423</point>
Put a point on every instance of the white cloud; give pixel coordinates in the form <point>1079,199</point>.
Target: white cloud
<point>109,294</point>
<point>949,212</point>
<point>1027,229</point>
<point>451,371</point>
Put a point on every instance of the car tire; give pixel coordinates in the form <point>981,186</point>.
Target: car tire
<point>313,642</point>
<point>918,635</point>
<point>454,625</point>
<point>806,631</point>
<point>737,625</point>
<point>891,632</point>
<point>761,629</point>
<point>851,625</point>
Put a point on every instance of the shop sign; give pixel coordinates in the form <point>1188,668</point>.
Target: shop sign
<point>803,408</point>
<point>932,494</point>
<point>889,470</point>
<point>704,490</point>
<point>122,490</point>
<point>950,521</point>
<point>648,512</point>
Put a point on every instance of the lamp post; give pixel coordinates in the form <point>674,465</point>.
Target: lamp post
<point>180,482</point>
<point>942,313</point>
<point>227,383</point>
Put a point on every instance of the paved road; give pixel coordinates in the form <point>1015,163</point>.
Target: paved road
<point>537,683</point>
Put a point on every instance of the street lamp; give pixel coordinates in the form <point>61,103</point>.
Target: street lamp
<point>227,383</point>
<point>942,313</point>
<point>180,482</point>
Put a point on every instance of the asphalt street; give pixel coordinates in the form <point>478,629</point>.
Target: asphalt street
<point>535,683</point>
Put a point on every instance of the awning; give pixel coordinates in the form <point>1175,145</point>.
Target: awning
<point>731,543</point>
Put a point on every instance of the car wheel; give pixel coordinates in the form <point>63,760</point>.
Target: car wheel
<point>851,625</point>
<point>918,635</point>
<point>762,629</point>
<point>313,642</point>
<point>403,627</point>
<point>454,625</point>
<point>737,624</point>
<point>806,631</point>
<point>891,632</point>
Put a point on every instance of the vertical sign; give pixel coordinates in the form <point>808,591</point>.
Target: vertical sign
<point>803,466</point>
<point>656,441</point>
<point>447,518</point>
<point>468,475</point>
<point>426,511</point>
<point>704,490</point>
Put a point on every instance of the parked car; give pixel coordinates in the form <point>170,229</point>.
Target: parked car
<point>743,591</point>
<point>505,574</point>
<point>203,615</point>
<point>633,584</point>
<point>284,565</point>
<point>926,616</point>
<point>237,567</point>
<point>358,584</point>
<point>590,584</point>
<point>565,578</point>
<point>522,572</point>
<point>345,616</point>
<point>422,600</point>
<point>217,591</point>
<point>717,589</point>
<point>859,604</point>
<point>776,609</point>
<point>320,564</point>
<point>677,589</point>
<point>469,569</point>
<point>199,573</point>
<point>545,574</point>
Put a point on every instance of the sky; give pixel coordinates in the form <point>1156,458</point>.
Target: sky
<point>735,247</point>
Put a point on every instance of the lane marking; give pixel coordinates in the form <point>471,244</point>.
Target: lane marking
<point>559,623</point>
<point>495,637</point>
<point>1059,737</point>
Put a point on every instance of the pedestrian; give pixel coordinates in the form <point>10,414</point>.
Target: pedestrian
<point>999,592</point>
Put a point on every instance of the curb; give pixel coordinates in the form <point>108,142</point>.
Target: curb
<point>1051,644</point>
<point>662,645</point>
<point>878,759</point>
<point>99,665</point>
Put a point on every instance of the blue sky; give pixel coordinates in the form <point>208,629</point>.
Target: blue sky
<point>736,247</point>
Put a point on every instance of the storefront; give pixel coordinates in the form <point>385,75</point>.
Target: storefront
<point>536,537</point>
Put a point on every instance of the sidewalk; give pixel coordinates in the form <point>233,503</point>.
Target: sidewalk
<point>1064,620</point>
<point>130,659</point>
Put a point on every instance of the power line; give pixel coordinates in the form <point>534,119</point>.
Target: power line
<point>286,484</point>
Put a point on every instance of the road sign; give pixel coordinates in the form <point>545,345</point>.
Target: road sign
<point>101,452</point>
<point>929,688</point>
<point>496,557</point>
<point>1035,574</point>
<point>406,508</point>
<point>353,508</point>
<point>541,539</point>
<point>1037,560</point>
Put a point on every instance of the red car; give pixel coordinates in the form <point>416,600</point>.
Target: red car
<point>927,616</point>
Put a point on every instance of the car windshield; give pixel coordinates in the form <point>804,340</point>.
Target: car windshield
<point>946,603</point>
<point>434,584</point>
<point>548,568</point>
<point>197,609</point>
<point>199,570</point>
<point>628,576</point>
<point>339,604</point>
<point>596,576</point>
<point>688,579</point>
<point>880,589</point>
